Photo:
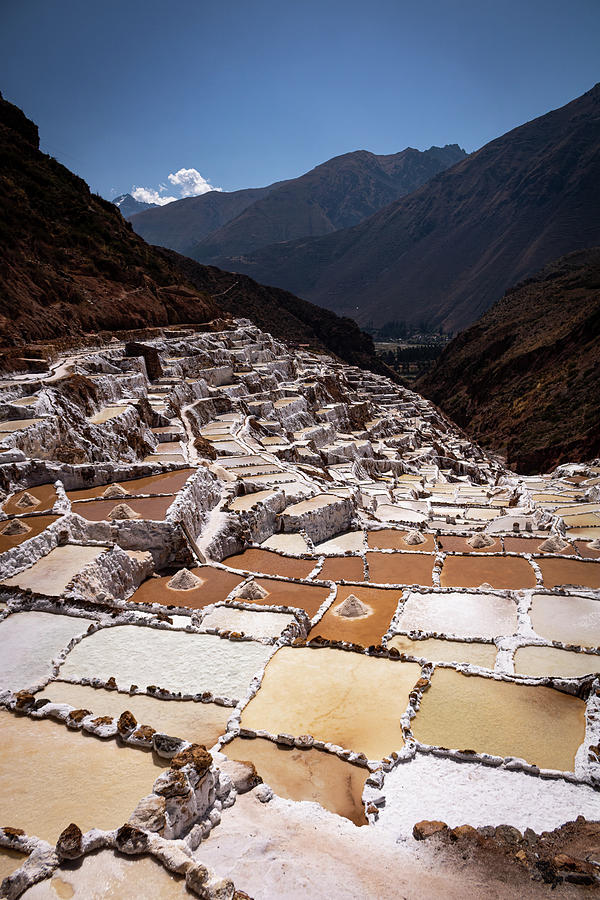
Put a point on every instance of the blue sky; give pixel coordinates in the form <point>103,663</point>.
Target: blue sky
<point>246,92</point>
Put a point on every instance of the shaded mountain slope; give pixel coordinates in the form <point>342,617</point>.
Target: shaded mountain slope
<point>181,224</point>
<point>447,251</point>
<point>337,194</point>
<point>282,314</point>
<point>525,379</point>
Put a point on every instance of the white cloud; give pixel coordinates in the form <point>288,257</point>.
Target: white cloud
<point>190,183</point>
<point>147,195</point>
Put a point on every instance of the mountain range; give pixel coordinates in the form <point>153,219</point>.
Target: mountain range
<point>129,206</point>
<point>444,253</point>
<point>337,194</point>
<point>71,266</point>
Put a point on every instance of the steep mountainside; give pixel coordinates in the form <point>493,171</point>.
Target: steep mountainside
<point>447,251</point>
<point>129,206</point>
<point>181,224</point>
<point>525,379</point>
<point>281,313</point>
<point>339,193</point>
<point>71,265</point>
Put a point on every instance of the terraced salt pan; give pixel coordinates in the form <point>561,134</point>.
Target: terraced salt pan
<point>202,723</point>
<point>215,585</point>
<point>33,525</point>
<point>52,573</point>
<point>45,494</point>
<point>308,597</point>
<point>533,545</point>
<point>151,508</point>
<point>306,775</point>
<point>342,568</point>
<point>388,513</point>
<point>268,563</point>
<point>365,630</point>
<point>539,661</point>
<point>12,425</point>
<point>350,541</point>
<point>29,642</point>
<point>585,549</point>
<point>249,501</point>
<point>109,412</point>
<point>501,572</point>
<point>557,572</point>
<point>453,543</point>
<point>285,543</point>
<point>436,650</point>
<point>190,663</point>
<point>538,724</point>
<point>104,875</point>
<point>393,539</point>
<point>572,620</point>
<point>99,788</point>
<point>400,568</point>
<point>163,483</point>
<point>461,615</point>
<point>319,502</point>
<point>350,699</point>
<point>257,624</point>
<point>446,790</point>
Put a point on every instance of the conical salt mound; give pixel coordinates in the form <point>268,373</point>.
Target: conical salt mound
<point>114,492</point>
<point>27,500</point>
<point>251,591</point>
<point>184,580</point>
<point>14,527</point>
<point>486,586</point>
<point>553,544</point>
<point>352,608</point>
<point>595,544</point>
<point>123,511</point>
<point>480,540</point>
<point>413,538</point>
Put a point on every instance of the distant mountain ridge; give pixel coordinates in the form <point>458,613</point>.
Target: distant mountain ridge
<point>129,206</point>
<point>446,252</point>
<point>336,194</point>
<point>525,379</point>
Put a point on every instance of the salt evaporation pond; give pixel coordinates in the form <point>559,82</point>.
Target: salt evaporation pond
<point>99,788</point>
<point>306,775</point>
<point>152,508</point>
<point>400,568</point>
<point>215,585</point>
<point>201,723</point>
<point>44,494</point>
<point>539,661</point>
<point>436,650</point>
<point>52,573</point>
<point>31,525</point>
<point>257,624</point>
<point>365,630</point>
<point>268,563</point>
<point>308,597</point>
<point>571,620</point>
<point>392,539</point>
<point>556,572</point>
<point>342,568</point>
<point>190,663</point>
<point>164,483</point>
<point>459,614</point>
<point>104,875</point>
<point>538,724</point>
<point>349,699</point>
<point>501,572</point>
<point>30,641</point>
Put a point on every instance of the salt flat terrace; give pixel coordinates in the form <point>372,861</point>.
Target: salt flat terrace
<point>343,598</point>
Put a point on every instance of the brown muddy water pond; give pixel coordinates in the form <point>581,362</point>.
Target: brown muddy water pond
<point>539,661</point>
<point>392,539</point>
<point>501,572</point>
<point>571,620</point>
<point>44,493</point>
<point>458,614</point>
<point>216,585</point>
<point>584,549</point>
<point>99,787</point>
<point>342,568</point>
<point>151,508</point>
<point>306,775</point>
<point>556,572</point>
<point>531,545</point>
<point>437,650</point>
<point>365,630</point>
<point>538,724</point>
<point>266,562</point>
<point>202,723</point>
<point>164,483</point>
<point>308,597</point>
<point>35,526</point>
<point>400,568</point>
<point>453,543</point>
<point>350,699</point>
